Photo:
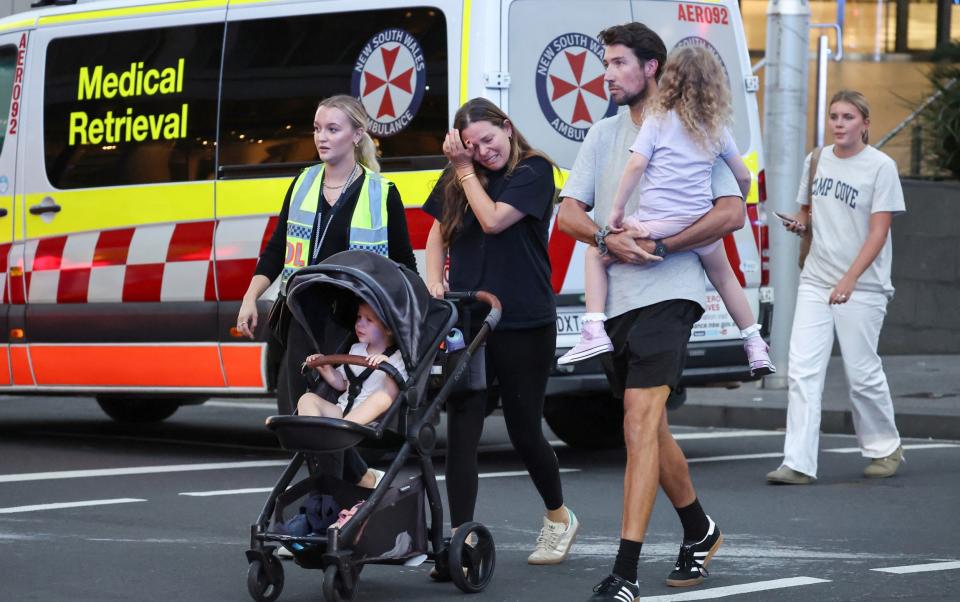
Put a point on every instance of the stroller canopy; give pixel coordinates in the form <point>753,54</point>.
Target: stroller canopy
<point>396,294</point>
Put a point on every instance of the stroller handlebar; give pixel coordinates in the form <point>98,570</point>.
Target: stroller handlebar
<point>496,310</point>
<point>358,360</point>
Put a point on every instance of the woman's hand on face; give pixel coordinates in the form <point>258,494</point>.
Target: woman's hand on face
<point>247,318</point>
<point>436,290</point>
<point>460,155</point>
<point>842,291</point>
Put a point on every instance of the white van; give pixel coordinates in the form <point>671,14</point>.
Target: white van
<point>148,147</point>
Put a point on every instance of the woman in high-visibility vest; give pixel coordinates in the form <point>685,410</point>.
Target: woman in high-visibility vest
<point>492,207</point>
<point>339,204</point>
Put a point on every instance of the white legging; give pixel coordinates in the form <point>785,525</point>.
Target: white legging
<point>857,323</point>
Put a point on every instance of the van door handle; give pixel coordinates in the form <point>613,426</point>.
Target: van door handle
<point>3,212</point>
<point>47,205</point>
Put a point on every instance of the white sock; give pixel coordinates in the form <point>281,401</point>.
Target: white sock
<point>596,316</point>
<point>750,331</point>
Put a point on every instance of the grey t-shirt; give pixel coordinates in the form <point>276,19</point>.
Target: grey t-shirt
<point>593,181</point>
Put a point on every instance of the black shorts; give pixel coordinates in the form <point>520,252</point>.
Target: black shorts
<point>650,347</point>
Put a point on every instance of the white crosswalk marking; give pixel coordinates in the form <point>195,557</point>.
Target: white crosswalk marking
<point>920,568</point>
<point>61,505</point>
<point>856,450</point>
<point>482,475</point>
<point>726,435</point>
<point>734,590</point>
<point>112,472</point>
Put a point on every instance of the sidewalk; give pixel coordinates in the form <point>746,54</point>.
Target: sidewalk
<point>925,389</point>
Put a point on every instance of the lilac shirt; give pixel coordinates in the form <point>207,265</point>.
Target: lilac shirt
<point>676,185</point>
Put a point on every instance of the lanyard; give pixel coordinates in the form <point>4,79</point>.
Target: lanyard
<point>319,235</point>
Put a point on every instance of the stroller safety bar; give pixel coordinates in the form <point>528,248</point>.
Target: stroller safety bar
<point>357,360</point>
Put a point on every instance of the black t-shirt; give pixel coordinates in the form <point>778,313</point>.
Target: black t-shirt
<point>514,264</point>
<point>338,233</point>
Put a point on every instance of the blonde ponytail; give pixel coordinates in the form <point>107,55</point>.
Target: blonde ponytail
<point>366,153</point>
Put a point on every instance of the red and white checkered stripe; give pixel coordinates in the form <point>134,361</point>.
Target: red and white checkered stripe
<point>156,262</point>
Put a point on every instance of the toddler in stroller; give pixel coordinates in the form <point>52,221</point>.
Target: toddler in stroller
<point>367,392</point>
<point>391,526</point>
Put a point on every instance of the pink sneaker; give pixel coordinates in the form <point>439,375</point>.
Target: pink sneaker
<point>346,515</point>
<point>593,341</point>
<point>758,356</point>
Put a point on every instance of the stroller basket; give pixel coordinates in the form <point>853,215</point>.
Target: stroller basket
<point>393,533</point>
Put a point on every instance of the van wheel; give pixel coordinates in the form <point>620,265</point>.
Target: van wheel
<point>134,409</point>
<point>586,422</point>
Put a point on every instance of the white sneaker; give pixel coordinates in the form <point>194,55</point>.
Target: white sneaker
<point>283,553</point>
<point>554,541</point>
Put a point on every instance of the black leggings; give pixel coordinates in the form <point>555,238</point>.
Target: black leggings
<point>520,360</point>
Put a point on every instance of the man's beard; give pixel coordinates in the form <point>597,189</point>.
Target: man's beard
<point>634,99</point>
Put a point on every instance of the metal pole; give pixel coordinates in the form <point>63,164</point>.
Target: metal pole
<point>784,137</point>
<point>903,18</point>
<point>823,55</point>
<point>916,150</point>
<point>943,23</point>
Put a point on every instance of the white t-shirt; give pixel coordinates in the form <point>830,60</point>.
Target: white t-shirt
<point>845,193</point>
<point>676,186</point>
<point>375,382</point>
<point>593,181</point>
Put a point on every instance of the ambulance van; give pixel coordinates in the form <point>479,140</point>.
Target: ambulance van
<point>148,145</point>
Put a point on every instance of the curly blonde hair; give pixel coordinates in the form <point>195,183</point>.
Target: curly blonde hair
<point>694,85</point>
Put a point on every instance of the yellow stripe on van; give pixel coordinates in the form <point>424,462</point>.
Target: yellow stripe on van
<point>258,196</point>
<point>753,164</point>
<point>465,51</point>
<point>107,208</point>
<point>414,186</point>
<point>130,11</point>
<point>236,198</point>
<point>21,24</point>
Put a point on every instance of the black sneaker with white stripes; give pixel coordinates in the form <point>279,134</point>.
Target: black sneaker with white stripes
<point>615,588</point>
<point>691,566</point>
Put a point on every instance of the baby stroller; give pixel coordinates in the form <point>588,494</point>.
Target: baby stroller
<point>390,526</point>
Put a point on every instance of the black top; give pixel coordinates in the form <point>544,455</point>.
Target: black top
<point>338,234</point>
<point>514,265</point>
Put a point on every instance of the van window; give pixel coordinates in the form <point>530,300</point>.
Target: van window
<point>133,107</point>
<point>8,67</point>
<point>709,25</point>
<point>277,70</point>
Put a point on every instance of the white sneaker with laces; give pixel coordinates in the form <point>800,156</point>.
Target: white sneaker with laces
<point>554,541</point>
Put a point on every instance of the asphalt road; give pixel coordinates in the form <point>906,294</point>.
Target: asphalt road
<point>93,510</point>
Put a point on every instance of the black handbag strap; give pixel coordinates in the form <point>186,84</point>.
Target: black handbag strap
<point>356,380</point>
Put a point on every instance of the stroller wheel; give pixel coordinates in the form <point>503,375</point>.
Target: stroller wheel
<point>265,582</point>
<point>472,557</point>
<point>334,590</point>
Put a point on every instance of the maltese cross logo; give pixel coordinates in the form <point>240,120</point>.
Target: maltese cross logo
<point>389,78</point>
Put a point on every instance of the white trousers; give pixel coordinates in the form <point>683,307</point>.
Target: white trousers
<point>857,324</point>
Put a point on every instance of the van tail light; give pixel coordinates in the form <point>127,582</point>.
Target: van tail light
<point>758,222</point>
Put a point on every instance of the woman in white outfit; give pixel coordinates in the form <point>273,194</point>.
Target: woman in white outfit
<point>844,288</point>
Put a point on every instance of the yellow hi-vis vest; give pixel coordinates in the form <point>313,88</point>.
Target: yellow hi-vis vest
<point>368,226</point>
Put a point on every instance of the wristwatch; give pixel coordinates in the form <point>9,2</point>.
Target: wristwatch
<point>600,237</point>
<point>659,249</point>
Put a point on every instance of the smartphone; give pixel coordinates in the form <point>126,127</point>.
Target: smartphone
<point>787,220</point>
